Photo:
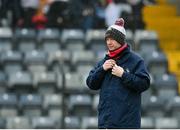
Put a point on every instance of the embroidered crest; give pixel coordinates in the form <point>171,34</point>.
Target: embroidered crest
<point>127,70</point>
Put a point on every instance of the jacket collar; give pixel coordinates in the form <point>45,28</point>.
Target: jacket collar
<point>124,56</point>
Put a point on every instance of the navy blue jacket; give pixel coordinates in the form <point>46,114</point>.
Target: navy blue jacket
<point>120,97</point>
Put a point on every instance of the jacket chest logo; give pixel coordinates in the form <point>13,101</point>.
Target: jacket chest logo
<point>127,70</point>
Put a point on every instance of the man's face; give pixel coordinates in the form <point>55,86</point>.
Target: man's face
<point>112,44</point>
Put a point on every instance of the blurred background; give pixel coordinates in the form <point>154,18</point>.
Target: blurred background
<point>47,48</point>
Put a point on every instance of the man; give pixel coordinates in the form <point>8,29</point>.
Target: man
<point>121,77</point>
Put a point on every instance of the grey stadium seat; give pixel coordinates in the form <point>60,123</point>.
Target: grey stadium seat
<point>72,122</point>
<point>174,107</point>
<point>45,82</point>
<point>84,69</point>
<point>2,123</point>
<point>95,102</point>
<point>95,40</point>
<point>82,57</point>
<point>89,123</point>
<point>80,105</point>
<point>147,122</point>
<point>8,105</point>
<point>50,46</point>
<point>6,36</point>
<point>25,39</point>
<point>59,81</point>
<point>11,61</point>
<point>145,98</point>
<point>157,63</point>
<point>73,39</point>
<point>155,107</point>
<point>166,123</point>
<point>31,104</point>
<point>45,123</point>
<point>49,39</point>
<point>146,41</point>
<point>49,34</point>
<point>35,61</point>
<point>18,122</point>
<point>20,81</point>
<point>53,104</point>
<point>166,86</point>
<point>59,61</point>
<point>3,82</point>
<point>25,34</point>
<point>52,101</point>
<point>130,38</point>
<point>74,82</point>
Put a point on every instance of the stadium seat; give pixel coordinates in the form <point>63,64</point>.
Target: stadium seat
<point>3,82</point>
<point>145,98</point>
<point>45,123</point>
<point>5,46</point>
<point>95,40</point>
<point>35,61</point>
<point>52,101</point>
<point>53,104</point>
<point>59,56</point>
<point>48,34</point>
<point>157,63</point>
<point>58,60</point>
<point>166,86</point>
<point>18,122</point>
<point>25,39</point>
<point>49,39</point>
<point>6,33</point>
<point>100,55</point>
<point>155,107</point>
<point>173,61</point>
<point>6,36</point>
<point>79,105</point>
<point>8,105</point>
<point>130,38</point>
<point>82,57</point>
<point>166,123</point>
<point>59,81</point>
<point>165,10</point>
<point>50,46</point>
<point>146,41</point>
<point>25,34</point>
<point>45,82</point>
<point>73,39</point>
<point>84,69</point>
<point>20,81</point>
<point>30,105</point>
<point>147,122</point>
<point>55,113</point>
<point>95,102</point>
<point>174,106</point>
<point>71,122</point>
<point>3,123</point>
<point>26,46</point>
<point>89,123</point>
<point>74,81</point>
<point>11,61</point>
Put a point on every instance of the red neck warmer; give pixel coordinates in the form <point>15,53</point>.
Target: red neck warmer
<point>113,54</point>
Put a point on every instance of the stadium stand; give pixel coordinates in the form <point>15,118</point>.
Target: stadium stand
<point>6,36</point>
<point>73,39</point>
<point>43,71</point>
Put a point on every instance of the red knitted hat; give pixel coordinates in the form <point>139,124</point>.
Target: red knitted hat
<point>117,31</point>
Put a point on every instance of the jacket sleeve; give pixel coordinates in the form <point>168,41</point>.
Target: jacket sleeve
<point>95,77</point>
<point>138,81</point>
